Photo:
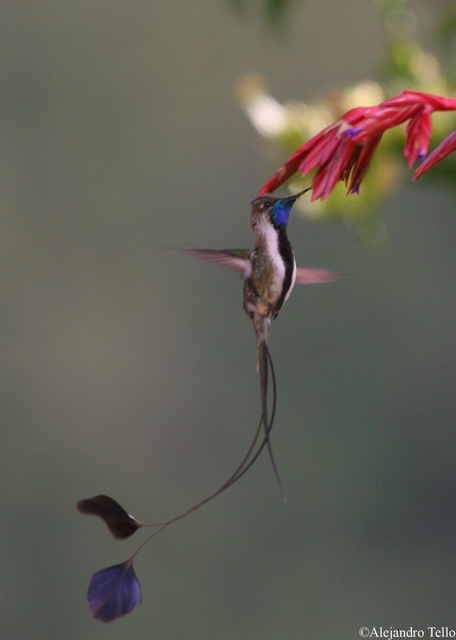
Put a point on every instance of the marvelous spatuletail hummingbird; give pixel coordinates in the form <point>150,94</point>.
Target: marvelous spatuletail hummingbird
<point>270,272</point>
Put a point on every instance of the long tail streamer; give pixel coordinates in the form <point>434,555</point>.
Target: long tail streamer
<point>116,590</point>
<point>247,461</point>
<point>265,364</point>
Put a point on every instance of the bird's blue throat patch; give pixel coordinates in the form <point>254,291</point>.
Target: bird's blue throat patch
<point>281,212</point>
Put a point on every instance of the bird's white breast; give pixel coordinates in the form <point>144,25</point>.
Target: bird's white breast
<point>271,240</point>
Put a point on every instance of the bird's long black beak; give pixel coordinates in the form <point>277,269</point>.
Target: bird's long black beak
<point>296,195</point>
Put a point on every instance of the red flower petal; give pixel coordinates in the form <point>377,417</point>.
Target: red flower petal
<point>442,151</point>
<point>361,164</point>
<point>407,98</point>
<point>418,134</point>
<point>329,174</point>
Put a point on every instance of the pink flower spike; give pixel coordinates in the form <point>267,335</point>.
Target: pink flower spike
<point>319,149</point>
<point>442,151</point>
<point>343,151</point>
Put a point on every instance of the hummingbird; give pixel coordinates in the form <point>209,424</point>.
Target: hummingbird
<point>270,272</point>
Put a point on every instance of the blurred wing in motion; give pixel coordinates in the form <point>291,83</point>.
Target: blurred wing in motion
<point>237,260</point>
<point>304,275</point>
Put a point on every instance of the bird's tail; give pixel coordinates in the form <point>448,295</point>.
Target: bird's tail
<point>248,460</point>
<point>251,456</point>
<point>265,365</point>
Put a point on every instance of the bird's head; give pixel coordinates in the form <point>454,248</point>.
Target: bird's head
<point>275,211</point>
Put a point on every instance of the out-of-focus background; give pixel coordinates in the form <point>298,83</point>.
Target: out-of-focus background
<point>129,369</point>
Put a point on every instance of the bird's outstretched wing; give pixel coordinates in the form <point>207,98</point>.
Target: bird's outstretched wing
<point>237,260</point>
<point>304,275</point>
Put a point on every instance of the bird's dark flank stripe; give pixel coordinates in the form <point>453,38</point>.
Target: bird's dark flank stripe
<point>286,253</point>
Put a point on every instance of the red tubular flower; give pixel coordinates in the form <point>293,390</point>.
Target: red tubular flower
<point>343,150</point>
<point>332,150</point>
